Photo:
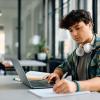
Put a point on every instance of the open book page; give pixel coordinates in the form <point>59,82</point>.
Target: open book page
<point>35,75</point>
<point>44,93</point>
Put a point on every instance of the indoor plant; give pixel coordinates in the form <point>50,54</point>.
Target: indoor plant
<point>42,53</point>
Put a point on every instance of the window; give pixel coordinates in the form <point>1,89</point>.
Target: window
<point>65,7</point>
<point>60,34</point>
<point>2,42</point>
<point>57,14</point>
<point>98,17</point>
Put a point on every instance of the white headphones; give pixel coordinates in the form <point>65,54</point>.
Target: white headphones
<point>87,48</point>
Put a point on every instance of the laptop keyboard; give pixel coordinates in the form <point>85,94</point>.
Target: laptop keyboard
<point>40,83</point>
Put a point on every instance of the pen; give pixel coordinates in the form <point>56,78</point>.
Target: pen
<point>64,76</point>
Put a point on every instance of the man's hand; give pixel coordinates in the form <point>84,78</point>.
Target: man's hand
<point>64,86</point>
<point>53,78</point>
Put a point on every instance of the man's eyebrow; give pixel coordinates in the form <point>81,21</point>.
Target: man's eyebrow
<point>77,25</point>
<point>74,26</point>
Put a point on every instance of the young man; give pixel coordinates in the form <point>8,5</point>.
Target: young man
<point>84,63</point>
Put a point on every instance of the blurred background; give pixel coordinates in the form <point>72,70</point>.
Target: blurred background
<point>22,20</point>
<point>28,27</point>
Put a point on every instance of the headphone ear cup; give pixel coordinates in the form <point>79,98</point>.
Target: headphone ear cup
<point>88,47</point>
<point>80,51</point>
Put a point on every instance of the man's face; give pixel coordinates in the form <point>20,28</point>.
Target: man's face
<point>81,32</point>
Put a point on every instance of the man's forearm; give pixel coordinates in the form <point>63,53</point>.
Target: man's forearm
<point>90,85</point>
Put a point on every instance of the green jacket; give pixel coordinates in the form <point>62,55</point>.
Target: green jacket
<point>93,65</point>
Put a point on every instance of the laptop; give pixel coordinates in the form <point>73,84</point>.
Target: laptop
<point>35,84</point>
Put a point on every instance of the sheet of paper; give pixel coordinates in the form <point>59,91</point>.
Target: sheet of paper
<point>36,75</point>
<point>43,93</point>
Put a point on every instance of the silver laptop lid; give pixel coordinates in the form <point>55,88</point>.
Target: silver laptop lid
<point>20,71</point>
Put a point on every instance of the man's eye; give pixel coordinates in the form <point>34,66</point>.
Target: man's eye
<point>77,28</point>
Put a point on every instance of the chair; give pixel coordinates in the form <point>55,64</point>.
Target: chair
<point>8,67</point>
<point>2,69</point>
<point>53,63</point>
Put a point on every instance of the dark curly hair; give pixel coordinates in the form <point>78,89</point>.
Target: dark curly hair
<point>75,16</point>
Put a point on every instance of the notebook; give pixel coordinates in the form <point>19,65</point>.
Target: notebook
<point>48,92</point>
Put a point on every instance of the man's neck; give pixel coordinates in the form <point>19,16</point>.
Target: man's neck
<point>89,40</point>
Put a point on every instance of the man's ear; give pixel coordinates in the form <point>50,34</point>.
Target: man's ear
<point>90,25</point>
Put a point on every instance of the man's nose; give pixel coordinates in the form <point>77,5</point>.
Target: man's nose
<point>74,33</point>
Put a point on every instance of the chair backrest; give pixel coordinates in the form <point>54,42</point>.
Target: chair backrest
<point>2,69</point>
<point>53,63</point>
